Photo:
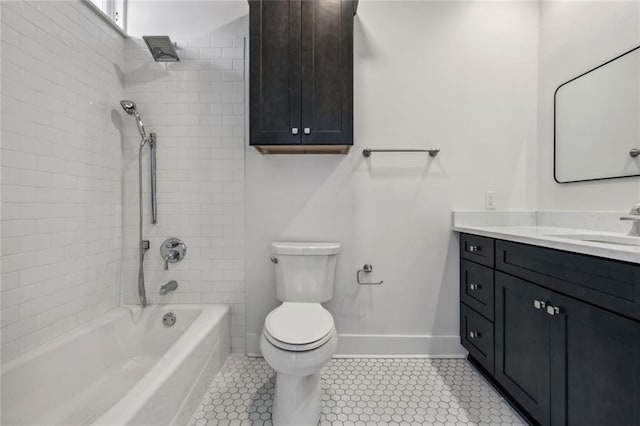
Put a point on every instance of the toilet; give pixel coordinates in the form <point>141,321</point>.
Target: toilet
<point>299,336</point>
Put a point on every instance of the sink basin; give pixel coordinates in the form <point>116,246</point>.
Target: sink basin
<point>619,240</point>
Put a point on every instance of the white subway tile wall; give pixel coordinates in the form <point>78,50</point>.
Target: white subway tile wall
<point>62,78</point>
<point>196,107</point>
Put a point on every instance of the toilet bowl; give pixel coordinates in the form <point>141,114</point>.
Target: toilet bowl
<point>299,336</point>
<point>297,340</point>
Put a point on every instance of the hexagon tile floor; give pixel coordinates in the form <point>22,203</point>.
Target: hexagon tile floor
<point>363,391</point>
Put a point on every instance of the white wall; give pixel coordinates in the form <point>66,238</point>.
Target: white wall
<point>459,76</point>
<point>575,37</point>
<point>196,107</point>
<point>187,19</point>
<point>61,170</point>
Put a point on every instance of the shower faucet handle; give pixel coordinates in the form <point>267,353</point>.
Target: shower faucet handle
<point>172,250</point>
<point>172,257</point>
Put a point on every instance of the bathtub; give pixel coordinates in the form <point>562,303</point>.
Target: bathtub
<point>126,368</point>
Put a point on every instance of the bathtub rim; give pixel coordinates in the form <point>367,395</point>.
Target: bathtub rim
<point>107,317</point>
<point>139,394</point>
<point>209,316</point>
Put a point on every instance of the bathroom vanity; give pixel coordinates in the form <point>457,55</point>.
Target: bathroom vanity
<point>557,330</point>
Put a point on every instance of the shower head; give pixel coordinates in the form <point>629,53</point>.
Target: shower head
<point>161,48</point>
<point>130,108</point>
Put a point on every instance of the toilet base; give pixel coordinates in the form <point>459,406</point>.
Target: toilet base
<point>297,400</point>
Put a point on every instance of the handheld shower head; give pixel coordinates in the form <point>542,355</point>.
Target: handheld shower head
<point>130,108</point>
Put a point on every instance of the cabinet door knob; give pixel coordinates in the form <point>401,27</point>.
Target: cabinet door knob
<point>474,335</point>
<point>294,131</point>
<point>553,310</point>
<point>474,249</point>
<point>539,304</point>
<point>475,286</point>
<point>307,131</point>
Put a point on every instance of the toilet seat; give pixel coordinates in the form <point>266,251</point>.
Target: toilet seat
<point>299,327</point>
<point>298,348</point>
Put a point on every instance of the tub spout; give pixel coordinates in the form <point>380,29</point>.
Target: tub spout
<point>170,286</point>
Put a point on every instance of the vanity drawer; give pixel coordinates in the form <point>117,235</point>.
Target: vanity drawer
<point>476,335</point>
<point>476,287</point>
<point>477,249</point>
<point>610,284</point>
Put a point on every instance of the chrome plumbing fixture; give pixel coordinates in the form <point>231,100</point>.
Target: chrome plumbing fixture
<point>634,152</point>
<point>634,215</point>
<point>169,319</point>
<point>130,108</point>
<point>170,286</point>
<point>366,268</point>
<point>161,48</point>
<point>172,250</point>
<point>152,168</point>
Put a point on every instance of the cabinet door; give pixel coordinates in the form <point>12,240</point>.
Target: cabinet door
<point>522,351</point>
<point>327,72</point>
<point>595,366</point>
<point>275,80</point>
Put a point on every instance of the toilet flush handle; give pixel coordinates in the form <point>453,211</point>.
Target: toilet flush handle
<point>274,259</point>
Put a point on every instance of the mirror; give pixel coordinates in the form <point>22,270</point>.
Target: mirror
<point>597,122</point>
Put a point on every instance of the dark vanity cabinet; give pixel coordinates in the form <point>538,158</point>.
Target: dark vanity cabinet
<point>565,330</point>
<point>301,75</point>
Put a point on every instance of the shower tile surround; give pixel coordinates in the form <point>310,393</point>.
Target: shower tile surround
<point>69,171</point>
<point>61,170</point>
<point>196,107</point>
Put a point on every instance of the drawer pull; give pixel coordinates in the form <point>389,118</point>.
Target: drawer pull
<point>473,249</point>
<point>475,286</point>
<point>539,304</point>
<point>553,310</point>
<point>474,334</point>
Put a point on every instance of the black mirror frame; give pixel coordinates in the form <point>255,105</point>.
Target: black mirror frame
<point>555,119</point>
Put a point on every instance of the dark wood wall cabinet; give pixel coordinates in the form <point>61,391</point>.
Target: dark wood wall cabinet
<point>558,333</point>
<point>301,75</point>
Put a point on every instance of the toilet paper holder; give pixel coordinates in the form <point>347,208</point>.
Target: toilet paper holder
<point>366,268</point>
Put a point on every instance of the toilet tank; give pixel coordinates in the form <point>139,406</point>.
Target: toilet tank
<point>305,272</point>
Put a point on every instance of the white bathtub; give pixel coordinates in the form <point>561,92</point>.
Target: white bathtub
<point>125,368</point>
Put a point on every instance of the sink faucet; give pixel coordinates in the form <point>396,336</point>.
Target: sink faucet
<point>634,215</point>
<point>170,286</point>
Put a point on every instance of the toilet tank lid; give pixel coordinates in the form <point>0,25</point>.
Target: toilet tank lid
<point>305,248</point>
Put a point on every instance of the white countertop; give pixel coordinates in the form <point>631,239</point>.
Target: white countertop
<point>547,236</point>
<point>546,228</point>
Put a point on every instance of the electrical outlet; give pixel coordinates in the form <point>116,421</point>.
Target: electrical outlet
<point>490,200</point>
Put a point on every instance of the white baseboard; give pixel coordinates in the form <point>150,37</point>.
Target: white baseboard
<point>385,346</point>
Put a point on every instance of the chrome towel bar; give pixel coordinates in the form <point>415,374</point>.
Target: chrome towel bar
<point>432,152</point>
